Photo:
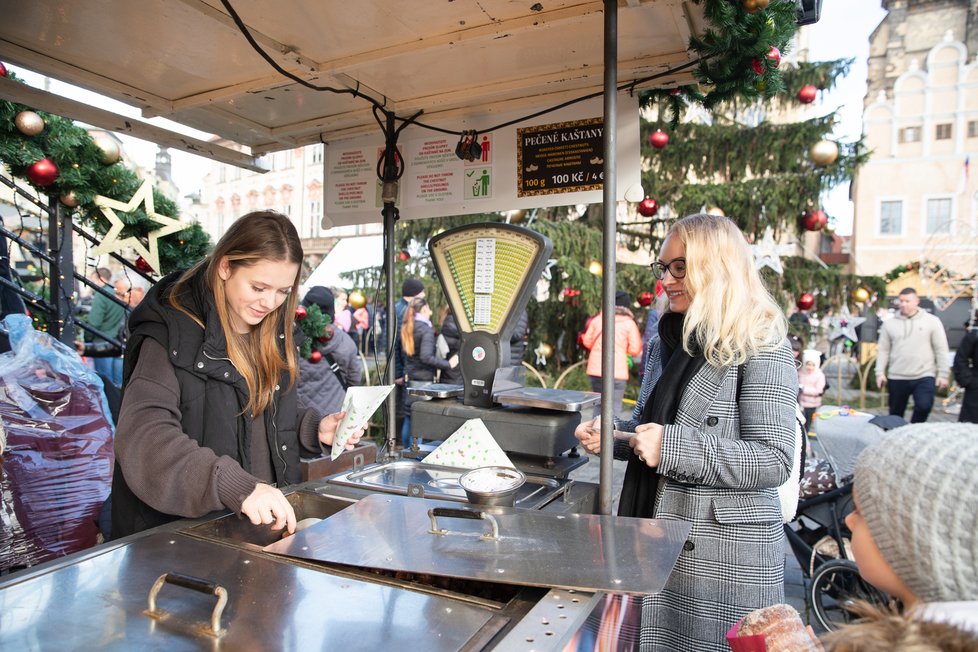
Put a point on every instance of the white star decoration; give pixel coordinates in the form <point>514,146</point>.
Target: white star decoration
<point>540,352</point>
<point>844,325</point>
<point>767,253</point>
<point>142,196</point>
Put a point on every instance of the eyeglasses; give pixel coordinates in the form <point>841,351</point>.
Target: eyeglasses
<point>676,267</point>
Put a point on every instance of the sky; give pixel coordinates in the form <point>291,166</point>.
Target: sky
<point>842,32</point>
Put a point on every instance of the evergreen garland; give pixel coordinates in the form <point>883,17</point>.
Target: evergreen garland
<point>80,170</point>
<point>317,329</point>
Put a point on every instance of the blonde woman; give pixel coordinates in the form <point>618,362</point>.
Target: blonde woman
<point>209,420</point>
<point>714,436</point>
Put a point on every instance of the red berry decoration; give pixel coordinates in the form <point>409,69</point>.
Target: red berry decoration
<point>774,56</point>
<point>648,207</point>
<point>315,357</point>
<point>42,173</point>
<point>645,299</point>
<point>757,65</point>
<point>659,139</point>
<point>814,220</point>
<point>807,93</point>
<point>300,313</point>
<point>144,266</point>
<point>805,301</point>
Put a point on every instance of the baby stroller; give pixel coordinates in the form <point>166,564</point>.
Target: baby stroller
<point>818,535</point>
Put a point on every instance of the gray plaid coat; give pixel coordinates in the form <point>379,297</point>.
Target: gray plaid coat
<point>722,461</point>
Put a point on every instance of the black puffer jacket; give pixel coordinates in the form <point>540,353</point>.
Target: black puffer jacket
<point>422,365</point>
<point>213,395</point>
<point>966,375</point>
<point>449,330</point>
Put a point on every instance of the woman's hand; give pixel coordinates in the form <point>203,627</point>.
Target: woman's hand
<point>647,443</point>
<point>589,434</point>
<point>453,361</point>
<point>327,430</point>
<point>266,504</point>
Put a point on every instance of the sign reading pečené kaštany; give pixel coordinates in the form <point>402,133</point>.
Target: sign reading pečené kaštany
<point>560,157</point>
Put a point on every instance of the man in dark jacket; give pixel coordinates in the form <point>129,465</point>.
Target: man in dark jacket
<point>323,385</point>
<point>966,371</point>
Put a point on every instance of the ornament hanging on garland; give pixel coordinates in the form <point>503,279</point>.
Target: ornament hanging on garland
<point>300,312</point>
<point>814,220</point>
<point>315,357</point>
<point>829,228</point>
<point>757,65</point>
<point>648,207</point>
<point>754,6</point>
<point>29,123</point>
<point>143,266</point>
<point>824,152</point>
<point>807,94</point>
<point>659,139</point>
<point>43,172</point>
<point>3,70</point>
<point>110,149</point>
<point>773,57</point>
<point>805,301</point>
<point>844,325</point>
<point>403,255</point>
<point>69,199</point>
<point>645,299</point>
<point>767,252</point>
<point>595,268</point>
<point>715,210</point>
<point>357,300</point>
<point>860,295</point>
<point>543,351</point>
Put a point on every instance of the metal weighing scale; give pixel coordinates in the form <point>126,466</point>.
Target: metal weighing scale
<point>488,273</point>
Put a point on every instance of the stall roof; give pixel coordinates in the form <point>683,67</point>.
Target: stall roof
<point>188,61</point>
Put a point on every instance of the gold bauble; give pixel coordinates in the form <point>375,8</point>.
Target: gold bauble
<point>860,295</point>
<point>110,149</point>
<point>356,299</point>
<point>69,199</point>
<point>824,152</point>
<point>595,268</point>
<point>546,349</point>
<point>516,216</point>
<point>29,123</point>
<point>715,210</point>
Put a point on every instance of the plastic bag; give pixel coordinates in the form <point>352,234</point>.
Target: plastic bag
<point>56,470</point>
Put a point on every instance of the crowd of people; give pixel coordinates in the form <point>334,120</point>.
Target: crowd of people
<point>218,407</point>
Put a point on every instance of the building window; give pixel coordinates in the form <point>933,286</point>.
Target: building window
<point>910,135</point>
<point>891,218</point>
<point>317,153</point>
<point>939,215</point>
<point>973,129</point>
<point>943,131</point>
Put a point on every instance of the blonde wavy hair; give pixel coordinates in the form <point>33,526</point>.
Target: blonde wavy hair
<point>261,356</point>
<point>731,315</point>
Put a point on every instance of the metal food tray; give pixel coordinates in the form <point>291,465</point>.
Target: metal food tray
<point>437,390</point>
<point>418,479</point>
<point>564,400</point>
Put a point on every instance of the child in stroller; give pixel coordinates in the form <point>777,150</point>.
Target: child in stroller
<point>818,535</point>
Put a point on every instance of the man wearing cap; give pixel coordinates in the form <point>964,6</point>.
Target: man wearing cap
<point>912,357</point>
<point>410,288</point>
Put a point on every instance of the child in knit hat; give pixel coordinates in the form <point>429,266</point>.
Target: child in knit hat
<point>915,536</point>
<point>811,384</point>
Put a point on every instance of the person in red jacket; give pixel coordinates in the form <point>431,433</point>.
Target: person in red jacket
<point>628,342</point>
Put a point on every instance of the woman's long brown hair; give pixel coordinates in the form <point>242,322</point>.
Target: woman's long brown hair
<point>407,326</point>
<point>260,357</point>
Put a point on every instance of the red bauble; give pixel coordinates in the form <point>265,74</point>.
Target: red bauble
<point>571,292</point>
<point>674,91</point>
<point>807,93</point>
<point>757,65</point>
<point>315,357</point>
<point>42,173</point>
<point>645,299</point>
<point>403,255</point>
<point>805,302</point>
<point>144,266</point>
<point>300,313</point>
<point>659,139</point>
<point>814,220</point>
<point>3,70</point>
<point>325,338</point>
<point>648,207</point>
<point>774,56</point>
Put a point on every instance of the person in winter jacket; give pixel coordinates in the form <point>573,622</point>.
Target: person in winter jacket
<point>811,384</point>
<point>628,342</point>
<point>453,340</point>
<point>323,385</point>
<point>209,419</point>
<point>420,360</point>
<point>912,357</point>
<point>966,372</point>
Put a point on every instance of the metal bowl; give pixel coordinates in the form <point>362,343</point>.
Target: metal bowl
<point>492,485</point>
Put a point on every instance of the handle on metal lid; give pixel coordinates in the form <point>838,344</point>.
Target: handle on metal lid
<point>473,514</point>
<point>194,584</point>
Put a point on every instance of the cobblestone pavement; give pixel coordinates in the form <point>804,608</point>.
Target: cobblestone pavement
<point>795,582</point>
